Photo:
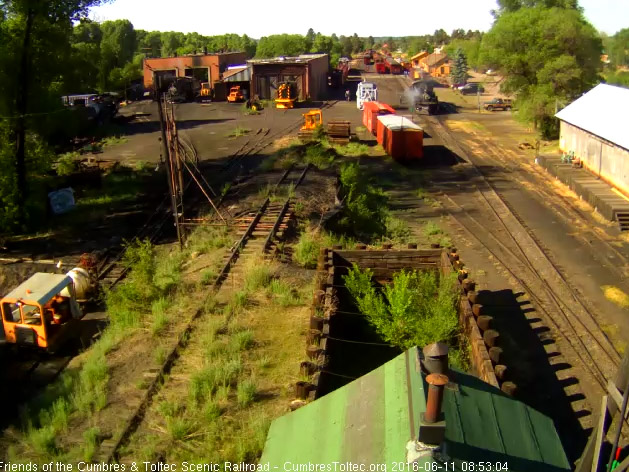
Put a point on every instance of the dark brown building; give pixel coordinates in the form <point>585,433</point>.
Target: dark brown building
<point>308,71</point>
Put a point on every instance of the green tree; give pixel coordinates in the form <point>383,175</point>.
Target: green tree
<point>510,6</point>
<point>116,49</point>
<point>470,47</point>
<point>618,48</point>
<point>440,37</point>
<point>545,55</point>
<point>34,43</point>
<point>281,45</point>
<point>357,44</point>
<point>310,37</point>
<point>459,71</point>
<point>171,41</point>
<point>369,42</point>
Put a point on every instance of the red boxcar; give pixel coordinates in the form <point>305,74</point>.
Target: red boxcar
<point>371,110</point>
<point>400,137</point>
<point>382,68</point>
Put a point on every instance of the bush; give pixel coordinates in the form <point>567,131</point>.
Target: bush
<point>306,250</point>
<point>365,211</point>
<point>398,230</point>
<point>417,309</point>
<point>67,163</point>
<point>246,392</point>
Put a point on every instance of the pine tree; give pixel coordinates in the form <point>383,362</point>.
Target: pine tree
<point>459,71</point>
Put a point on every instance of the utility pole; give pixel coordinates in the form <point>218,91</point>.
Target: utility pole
<point>169,176</point>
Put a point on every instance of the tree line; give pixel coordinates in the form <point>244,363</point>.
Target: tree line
<point>545,49</point>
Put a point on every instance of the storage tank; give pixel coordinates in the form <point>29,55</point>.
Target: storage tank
<point>83,284</point>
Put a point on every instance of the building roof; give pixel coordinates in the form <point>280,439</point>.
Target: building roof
<point>603,112</point>
<point>40,288</point>
<point>301,59</point>
<point>238,74</point>
<point>419,55</point>
<point>372,419</point>
<point>435,58</point>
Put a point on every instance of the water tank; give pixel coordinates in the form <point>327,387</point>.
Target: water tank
<point>82,283</point>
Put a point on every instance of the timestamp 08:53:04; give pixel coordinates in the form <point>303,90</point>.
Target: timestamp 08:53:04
<point>459,466</point>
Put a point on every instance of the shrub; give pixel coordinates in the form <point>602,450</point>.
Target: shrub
<point>417,309</point>
<point>67,163</point>
<point>365,211</point>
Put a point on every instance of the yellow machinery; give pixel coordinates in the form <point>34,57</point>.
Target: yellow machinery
<point>312,120</point>
<point>286,95</point>
<point>43,312</point>
<point>205,94</point>
<point>235,95</point>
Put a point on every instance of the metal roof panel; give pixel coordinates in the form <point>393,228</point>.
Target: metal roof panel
<point>371,420</point>
<point>40,287</point>
<point>603,112</point>
<point>398,123</point>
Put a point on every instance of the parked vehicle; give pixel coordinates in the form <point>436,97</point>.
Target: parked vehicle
<point>235,95</point>
<point>471,89</point>
<point>498,104</point>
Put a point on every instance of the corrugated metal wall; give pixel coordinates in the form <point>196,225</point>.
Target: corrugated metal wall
<point>603,158</point>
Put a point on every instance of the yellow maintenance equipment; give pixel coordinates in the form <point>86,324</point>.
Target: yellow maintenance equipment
<point>235,95</point>
<point>312,120</point>
<point>286,95</point>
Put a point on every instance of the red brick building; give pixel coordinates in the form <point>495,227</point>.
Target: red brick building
<point>205,67</point>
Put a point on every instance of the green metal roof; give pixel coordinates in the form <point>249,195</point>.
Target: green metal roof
<point>371,420</point>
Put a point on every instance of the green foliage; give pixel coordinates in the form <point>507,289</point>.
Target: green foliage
<point>398,230</point>
<point>246,392</point>
<point>620,77</point>
<point>67,163</point>
<point>459,71</point>
<point>90,443</point>
<point>283,294</point>
<point>365,211</point>
<point>469,47</point>
<point>545,55</point>
<point>281,45</point>
<point>416,309</point>
<point>617,48</point>
<point>319,156</point>
<point>306,251</point>
<point>258,276</point>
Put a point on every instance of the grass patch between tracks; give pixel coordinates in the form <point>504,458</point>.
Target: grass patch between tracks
<point>143,310</point>
<point>236,375</point>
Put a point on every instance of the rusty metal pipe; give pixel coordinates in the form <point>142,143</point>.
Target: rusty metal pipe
<point>436,382</point>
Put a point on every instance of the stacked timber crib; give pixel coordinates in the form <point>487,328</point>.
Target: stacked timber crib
<point>485,353</point>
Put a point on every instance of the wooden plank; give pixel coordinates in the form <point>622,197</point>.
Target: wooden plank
<point>600,429</point>
<point>436,253</point>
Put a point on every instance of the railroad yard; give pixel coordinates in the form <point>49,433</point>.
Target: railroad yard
<point>205,345</point>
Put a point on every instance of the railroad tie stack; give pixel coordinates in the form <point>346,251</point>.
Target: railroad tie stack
<point>323,307</point>
<point>486,353</point>
<point>339,132</point>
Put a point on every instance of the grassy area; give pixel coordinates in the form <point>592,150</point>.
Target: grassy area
<point>143,306</point>
<point>234,378</point>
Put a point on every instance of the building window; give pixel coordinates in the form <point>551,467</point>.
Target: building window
<point>443,70</point>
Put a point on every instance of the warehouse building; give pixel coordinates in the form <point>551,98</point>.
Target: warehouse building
<point>308,71</point>
<point>594,129</point>
<point>204,67</point>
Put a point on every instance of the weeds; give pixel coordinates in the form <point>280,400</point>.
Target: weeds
<point>90,443</point>
<point>431,229</point>
<point>283,294</point>
<point>242,341</point>
<point>319,156</point>
<point>238,131</point>
<point>246,393</point>
<point>258,276</point>
<point>398,230</point>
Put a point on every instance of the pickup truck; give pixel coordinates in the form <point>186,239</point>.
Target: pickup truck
<point>498,104</point>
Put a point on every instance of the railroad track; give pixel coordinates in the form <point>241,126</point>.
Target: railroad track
<point>40,368</point>
<point>514,245</point>
<point>258,231</point>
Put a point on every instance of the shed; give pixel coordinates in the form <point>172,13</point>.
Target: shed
<point>594,128</point>
<point>308,71</point>
<point>373,419</point>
